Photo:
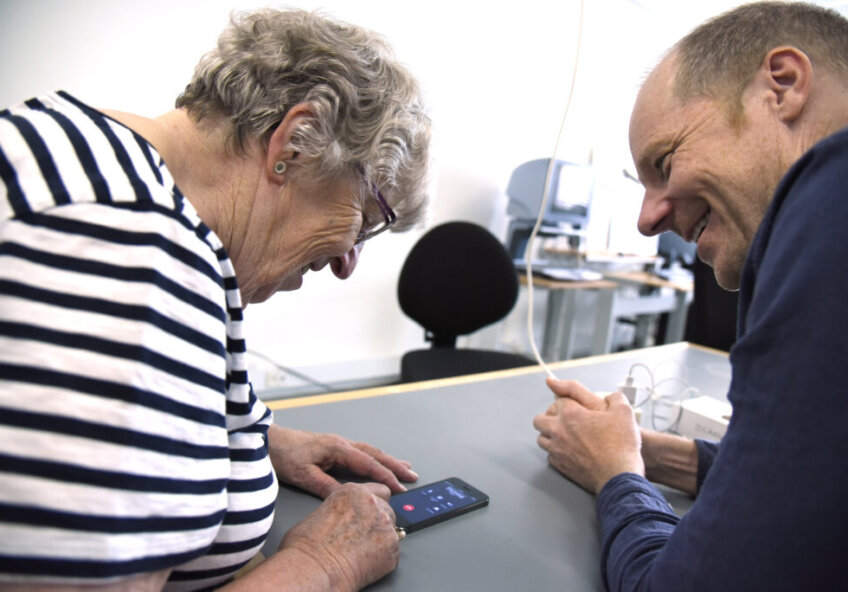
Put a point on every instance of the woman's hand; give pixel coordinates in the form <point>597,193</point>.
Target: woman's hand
<point>351,536</point>
<point>303,458</point>
<point>588,438</point>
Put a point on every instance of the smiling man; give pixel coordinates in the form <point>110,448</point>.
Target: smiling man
<point>702,175</point>
<point>738,137</point>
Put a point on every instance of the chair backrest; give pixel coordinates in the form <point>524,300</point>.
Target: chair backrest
<point>457,279</point>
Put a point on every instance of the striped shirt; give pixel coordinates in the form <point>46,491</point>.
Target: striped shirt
<point>130,439</point>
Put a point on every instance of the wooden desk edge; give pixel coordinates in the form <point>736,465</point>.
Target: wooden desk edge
<point>552,284</point>
<point>649,279</point>
<point>394,389</point>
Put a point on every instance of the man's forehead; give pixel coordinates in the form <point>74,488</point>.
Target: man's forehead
<point>647,114</point>
<point>657,92</point>
<point>654,105</point>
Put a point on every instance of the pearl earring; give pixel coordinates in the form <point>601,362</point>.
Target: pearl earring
<point>280,167</point>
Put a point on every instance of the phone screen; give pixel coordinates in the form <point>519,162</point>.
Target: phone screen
<point>435,502</point>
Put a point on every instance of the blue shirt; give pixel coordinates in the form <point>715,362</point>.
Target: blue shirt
<point>772,506</point>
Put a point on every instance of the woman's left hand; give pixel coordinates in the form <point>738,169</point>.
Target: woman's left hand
<point>303,458</point>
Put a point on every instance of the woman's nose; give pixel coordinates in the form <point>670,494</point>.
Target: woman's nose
<point>343,266</point>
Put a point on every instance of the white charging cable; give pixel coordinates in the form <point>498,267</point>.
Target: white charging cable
<point>528,250</point>
<point>629,389</point>
<point>659,402</point>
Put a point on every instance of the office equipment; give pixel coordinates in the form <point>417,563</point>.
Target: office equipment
<point>562,274</point>
<point>611,303</point>
<point>704,417</point>
<point>655,296</point>
<point>457,279</point>
<point>674,249</point>
<point>539,530</point>
<point>567,208</point>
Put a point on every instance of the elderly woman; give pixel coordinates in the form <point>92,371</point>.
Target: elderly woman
<point>133,452</point>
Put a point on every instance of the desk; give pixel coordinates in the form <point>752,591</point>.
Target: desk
<point>561,309</point>
<point>558,336</point>
<point>560,250</point>
<point>539,531</point>
<point>675,305</point>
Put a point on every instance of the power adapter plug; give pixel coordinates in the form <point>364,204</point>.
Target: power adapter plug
<point>628,389</point>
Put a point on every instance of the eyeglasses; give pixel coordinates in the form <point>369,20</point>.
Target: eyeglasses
<point>389,218</point>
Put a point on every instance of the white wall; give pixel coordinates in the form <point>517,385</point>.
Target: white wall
<point>496,74</point>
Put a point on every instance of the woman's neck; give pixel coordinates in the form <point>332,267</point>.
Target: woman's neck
<point>213,179</point>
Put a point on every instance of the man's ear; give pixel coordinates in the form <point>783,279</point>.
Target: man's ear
<point>278,144</point>
<point>789,76</point>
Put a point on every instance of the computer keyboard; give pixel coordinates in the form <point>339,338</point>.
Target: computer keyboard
<point>566,274</point>
<point>562,274</point>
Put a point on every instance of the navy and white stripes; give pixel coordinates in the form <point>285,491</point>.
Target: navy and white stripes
<point>130,439</point>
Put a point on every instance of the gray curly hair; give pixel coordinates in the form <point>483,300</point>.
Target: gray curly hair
<point>369,114</point>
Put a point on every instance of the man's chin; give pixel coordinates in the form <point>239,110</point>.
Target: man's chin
<point>727,277</point>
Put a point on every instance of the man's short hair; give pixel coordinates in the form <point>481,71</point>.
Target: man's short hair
<point>719,58</point>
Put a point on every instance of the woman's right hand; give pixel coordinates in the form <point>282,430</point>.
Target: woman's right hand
<point>351,536</point>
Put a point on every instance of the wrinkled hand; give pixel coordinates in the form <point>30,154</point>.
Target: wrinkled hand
<point>351,536</point>
<point>302,459</point>
<point>589,439</point>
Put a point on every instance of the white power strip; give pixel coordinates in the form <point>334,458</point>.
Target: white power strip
<point>703,417</point>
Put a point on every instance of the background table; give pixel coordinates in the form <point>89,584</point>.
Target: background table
<point>561,311</point>
<point>675,304</point>
<point>539,531</point>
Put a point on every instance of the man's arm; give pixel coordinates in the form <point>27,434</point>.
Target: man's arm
<point>670,460</point>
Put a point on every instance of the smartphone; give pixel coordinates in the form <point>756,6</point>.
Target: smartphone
<point>435,502</point>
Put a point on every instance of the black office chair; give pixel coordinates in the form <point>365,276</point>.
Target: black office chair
<point>457,279</point>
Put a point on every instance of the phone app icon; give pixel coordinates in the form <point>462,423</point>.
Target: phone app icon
<point>408,507</point>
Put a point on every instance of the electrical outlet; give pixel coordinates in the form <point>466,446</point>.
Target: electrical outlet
<point>274,377</point>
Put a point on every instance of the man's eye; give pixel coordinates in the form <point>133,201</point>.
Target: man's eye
<point>663,165</point>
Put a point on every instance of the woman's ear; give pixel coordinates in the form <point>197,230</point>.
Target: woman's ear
<point>789,76</point>
<point>279,153</point>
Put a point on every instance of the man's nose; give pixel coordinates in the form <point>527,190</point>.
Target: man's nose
<point>344,265</point>
<point>655,215</point>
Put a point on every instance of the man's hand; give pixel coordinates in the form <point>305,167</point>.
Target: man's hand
<point>303,458</point>
<point>589,439</point>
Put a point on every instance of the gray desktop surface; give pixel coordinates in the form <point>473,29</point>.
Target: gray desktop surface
<point>539,530</point>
